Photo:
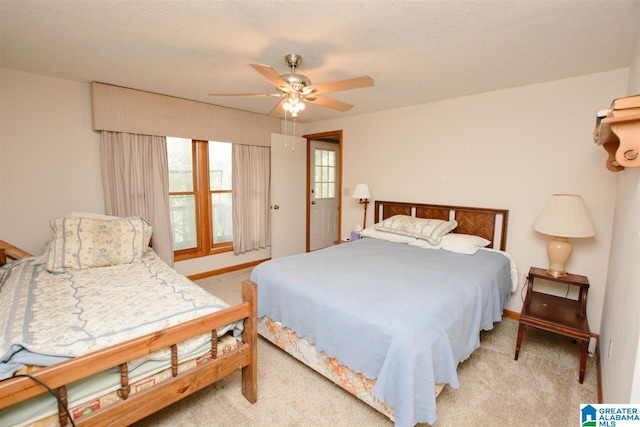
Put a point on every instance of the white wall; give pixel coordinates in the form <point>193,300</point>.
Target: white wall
<point>620,314</point>
<point>506,149</point>
<point>50,155</point>
<point>50,163</point>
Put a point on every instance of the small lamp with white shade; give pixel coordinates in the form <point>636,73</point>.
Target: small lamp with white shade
<point>564,216</point>
<point>362,192</point>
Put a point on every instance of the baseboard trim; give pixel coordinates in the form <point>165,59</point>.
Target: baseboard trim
<point>226,269</point>
<point>511,314</point>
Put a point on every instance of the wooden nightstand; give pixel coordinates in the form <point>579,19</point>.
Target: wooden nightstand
<point>561,315</point>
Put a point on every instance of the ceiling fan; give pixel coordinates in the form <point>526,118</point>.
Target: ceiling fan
<point>293,89</point>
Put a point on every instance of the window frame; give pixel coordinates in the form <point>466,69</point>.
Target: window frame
<point>204,216</point>
<point>319,195</point>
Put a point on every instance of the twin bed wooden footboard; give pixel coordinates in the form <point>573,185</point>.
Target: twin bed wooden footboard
<point>181,384</point>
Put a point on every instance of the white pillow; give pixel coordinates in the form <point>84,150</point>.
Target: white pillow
<point>427,229</point>
<point>419,243</point>
<point>459,243</point>
<point>42,259</point>
<point>372,232</point>
<point>463,243</point>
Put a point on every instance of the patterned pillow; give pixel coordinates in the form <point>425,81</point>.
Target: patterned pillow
<point>80,243</point>
<point>383,235</point>
<point>427,229</point>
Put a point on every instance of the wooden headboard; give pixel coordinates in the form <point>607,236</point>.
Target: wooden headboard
<point>484,222</point>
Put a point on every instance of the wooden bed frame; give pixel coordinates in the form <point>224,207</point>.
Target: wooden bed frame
<point>139,405</point>
<point>488,223</point>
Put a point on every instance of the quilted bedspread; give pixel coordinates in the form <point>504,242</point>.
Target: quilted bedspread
<point>402,315</point>
<point>46,318</point>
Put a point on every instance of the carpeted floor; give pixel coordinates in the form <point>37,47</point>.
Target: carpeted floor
<point>540,389</point>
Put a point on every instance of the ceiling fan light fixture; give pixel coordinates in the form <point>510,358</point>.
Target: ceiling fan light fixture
<point>293,104</point>
<point>293,88</point>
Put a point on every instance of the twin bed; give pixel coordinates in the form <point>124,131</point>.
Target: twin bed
<point>390,316</point>
<point>387,317</point>
<point>100,331</point>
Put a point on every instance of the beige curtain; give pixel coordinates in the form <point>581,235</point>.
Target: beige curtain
<point>135,176</point>
<point>251,216</point>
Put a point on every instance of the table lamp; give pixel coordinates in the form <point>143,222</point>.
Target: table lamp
<point>564,216</point>
<point>362,192</point>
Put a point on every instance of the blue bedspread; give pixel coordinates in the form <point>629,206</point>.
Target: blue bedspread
<point>403,315</point>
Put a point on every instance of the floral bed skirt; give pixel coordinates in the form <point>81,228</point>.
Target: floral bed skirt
<point>329,367</point>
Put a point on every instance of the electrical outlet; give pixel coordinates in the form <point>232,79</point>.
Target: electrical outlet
<point>593,343</point>
<point>610,349</point>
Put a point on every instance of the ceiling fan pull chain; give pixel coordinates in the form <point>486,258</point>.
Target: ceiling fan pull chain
<point>285,130</point>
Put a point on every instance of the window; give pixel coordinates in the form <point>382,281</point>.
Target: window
<point>325,174</point>
<point>200,196</point>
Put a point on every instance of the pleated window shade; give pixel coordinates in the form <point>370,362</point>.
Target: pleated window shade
<point>120,109</point>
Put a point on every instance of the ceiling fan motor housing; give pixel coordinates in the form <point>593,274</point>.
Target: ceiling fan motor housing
<point>292,88</point>
<point>296,82</point>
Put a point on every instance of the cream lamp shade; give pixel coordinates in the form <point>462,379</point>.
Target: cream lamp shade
<point>564,216</point>
<point>362,192</point>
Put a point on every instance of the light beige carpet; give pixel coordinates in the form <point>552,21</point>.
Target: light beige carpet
<point>540,389</point>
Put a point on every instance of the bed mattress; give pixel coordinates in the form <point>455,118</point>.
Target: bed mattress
<point>101,390</point>
<point>47,318</point>
<point>50,317</point>
<point>399,314</point>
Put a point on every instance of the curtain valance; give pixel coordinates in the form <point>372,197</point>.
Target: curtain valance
<point>120,109</point>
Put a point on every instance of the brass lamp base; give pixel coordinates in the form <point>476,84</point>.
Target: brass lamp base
<point>556,273</point>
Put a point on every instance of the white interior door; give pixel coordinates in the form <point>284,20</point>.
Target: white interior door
<point>324,192</point>
<point>288,195</point>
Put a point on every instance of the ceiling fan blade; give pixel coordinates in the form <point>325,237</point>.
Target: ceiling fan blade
<point>355,83</point>
<point>278,109</point>
<point>271,74</point>
<point>330,103</point>
<point>245,94</point>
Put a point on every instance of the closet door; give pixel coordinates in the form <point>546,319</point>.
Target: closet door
<point>288,195</point>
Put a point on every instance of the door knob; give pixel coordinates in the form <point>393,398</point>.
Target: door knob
<point>313,202</point>
<point>276,207</point>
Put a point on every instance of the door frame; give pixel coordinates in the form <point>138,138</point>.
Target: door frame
<point>334,136</point>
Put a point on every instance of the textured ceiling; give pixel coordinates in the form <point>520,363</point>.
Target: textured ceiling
<point>417,51</point>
